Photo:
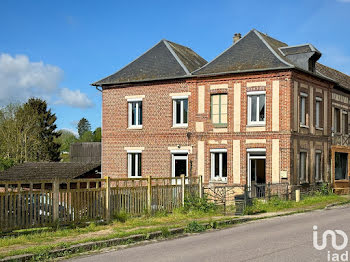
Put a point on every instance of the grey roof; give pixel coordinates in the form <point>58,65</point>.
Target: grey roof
<point>298,49</point>
<point>342,79</point>
<point>254,51</point>
<point>163,61</point>
<point>34,171</point>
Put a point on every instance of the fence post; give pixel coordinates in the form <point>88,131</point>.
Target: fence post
<point>287,192</point>
<point>149,194</point>
<point>183,190</point>
<point>269,190</point>
<point>55,199</point>
<point>108,199</point>
<point>200,182</point>
<point>297,195</point>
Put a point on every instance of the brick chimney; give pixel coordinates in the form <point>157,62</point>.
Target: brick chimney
<point>236,37</point>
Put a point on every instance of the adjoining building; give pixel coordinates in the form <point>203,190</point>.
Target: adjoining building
<point>260,112</point>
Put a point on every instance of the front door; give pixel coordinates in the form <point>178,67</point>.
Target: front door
<point>179,166</point>
<point>257,173</point>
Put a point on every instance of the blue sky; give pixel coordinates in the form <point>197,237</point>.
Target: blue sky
<point>55,49</point>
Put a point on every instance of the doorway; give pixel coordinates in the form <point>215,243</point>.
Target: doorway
<point>179,166</point>
<point>256,172</point>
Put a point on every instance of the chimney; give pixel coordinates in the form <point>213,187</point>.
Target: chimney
<point>236,37</point>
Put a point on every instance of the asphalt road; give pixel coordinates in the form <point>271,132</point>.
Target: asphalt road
<point>279,239</point>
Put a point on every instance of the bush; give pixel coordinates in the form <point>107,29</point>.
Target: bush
<point>165,232</point>
<point>121,216</point>
<point>325,190</point>
<point>195,203</point>
<point>194,227</point>
<point>6,163</point>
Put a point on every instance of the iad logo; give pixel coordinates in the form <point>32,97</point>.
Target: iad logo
<point>332,256</point>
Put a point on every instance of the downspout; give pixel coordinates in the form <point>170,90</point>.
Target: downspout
<point>98,89</point>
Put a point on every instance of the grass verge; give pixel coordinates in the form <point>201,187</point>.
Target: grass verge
<point>41,243</point>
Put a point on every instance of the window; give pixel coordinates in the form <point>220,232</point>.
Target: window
<point>256,108</point>
<point>302,167</point>
<point>302,109</point>
<point>318,176</point>
<point>219,109</point>
<point>336,120</point>
<point>134,164</point>
<point>318,112</point>
<point>345,122</point>
<point>135,114</point>
<point>341,166</point>
<point>219,165</point>
<point>180,112</point>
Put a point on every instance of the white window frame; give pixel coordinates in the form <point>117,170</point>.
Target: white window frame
<point>220,178</point>
<point>130,152</point>
<point>302,115</point>
<point>318,111</point>
<point>181,98</point>
<point>130,101</point>
<point>249,96</point>
<point>318,177</point>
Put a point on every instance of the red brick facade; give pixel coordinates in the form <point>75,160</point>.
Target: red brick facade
<point>158,136</point>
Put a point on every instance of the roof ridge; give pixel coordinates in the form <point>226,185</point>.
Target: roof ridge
<point>95,83</point>
<point>176,56</point>
<point>222,52</point>
<point>271,49</point>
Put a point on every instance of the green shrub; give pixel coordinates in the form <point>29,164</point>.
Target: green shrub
<point>165,232</point>
<point>325,190</point>
<point>121,216</point>
<point>195,203</point>
<point>6,163</point>
<point>195,227</point>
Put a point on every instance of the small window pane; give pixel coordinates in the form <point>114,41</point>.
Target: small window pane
<point>253,105</point>
<point>302,166</point>
<point>216,165</point>
<point>262,108</point>
<point>318,166</point>
<point>185,110</point>
<point>133,117</point>
<point>139,165</point>
<point>302,111</point>
<point>318,104</point>
<point>224,164</point>
<point>178,111</point>
<point>140,113</point>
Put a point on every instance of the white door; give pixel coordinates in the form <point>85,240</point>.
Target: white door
<point>179,166</point>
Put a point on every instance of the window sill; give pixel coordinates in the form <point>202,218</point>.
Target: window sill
<point>256,125</point>
<point>319,128</point>
<point>341,180</point>
<point>180,126</point>
<point>219,126</point>
<point>134,176</point>
<point>218,181</point>
<point>135,127</point>
<point>304,126</point>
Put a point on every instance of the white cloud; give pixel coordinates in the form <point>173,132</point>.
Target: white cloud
<point>21,79</point>
<point>74,98</point>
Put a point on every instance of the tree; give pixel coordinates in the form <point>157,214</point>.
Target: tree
<point>88,136</point>
<point>28,132</point>
<point>65,140</point>
<point>97,135</point>
<point>83,126</point>
<point>39,131</point>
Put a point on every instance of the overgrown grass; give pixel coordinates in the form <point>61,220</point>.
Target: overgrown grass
<point>191,216</point>
<point>277,204</point>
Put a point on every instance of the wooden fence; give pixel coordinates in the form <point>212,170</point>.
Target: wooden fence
<point>26,204</point>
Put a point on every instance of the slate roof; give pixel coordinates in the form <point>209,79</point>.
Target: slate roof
<point>342,79</point>
<point>163,61</point>
<point>254,51</point>
<point>34,171</point>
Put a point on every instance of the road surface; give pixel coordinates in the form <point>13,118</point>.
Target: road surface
<point>279,239</point>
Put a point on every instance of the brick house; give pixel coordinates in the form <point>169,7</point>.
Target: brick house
<point>260,112</point>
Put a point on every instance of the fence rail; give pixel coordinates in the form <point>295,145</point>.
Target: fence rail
<point>26,204</point>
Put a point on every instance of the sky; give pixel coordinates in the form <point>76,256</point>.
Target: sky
<point>55,49</point>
